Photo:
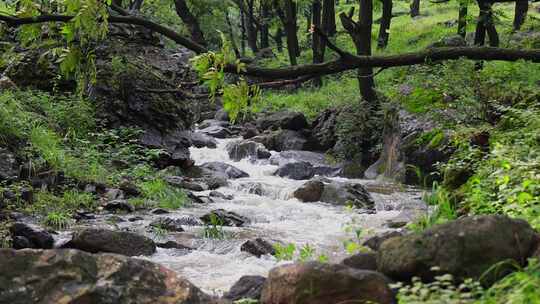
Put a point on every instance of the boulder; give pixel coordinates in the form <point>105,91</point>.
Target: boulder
<point>298,171</point>
<point>119,206</point>
<point>6,84</point>
<point>159,211</point>
<point>465,248</point>
<point>374,242</point>
<point>241,149</point>
<point>184,183</point>
<point>120,242</point>
<point>336,193</point>
<point>321,165</point>
<point>175,145</point>
<point>223,170</point>
<point>222,115</point>
<point>324,129</point>
<point>173,245</point>
<point>224,218</point>
<point>72,276</point>
<point>216,131</point>
<point>202,140</point>
<point>449,41</point>
<point>29,236</point>
<point>258,247</point>
<point>310,192</point>
<point>169,224</point>
<point>221,195</point>
<point>214,122</point>
<point>321,283</point>
<point>189,220</point>
<point>366,261</point>
<point>282,120</point>
<point>249,131</point>
<point>247,287</point>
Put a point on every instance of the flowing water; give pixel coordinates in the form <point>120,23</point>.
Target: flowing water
<point>275,216</point>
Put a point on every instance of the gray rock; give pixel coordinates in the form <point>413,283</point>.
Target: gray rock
<point>223,170</point>
<point>282,120</point>
<point>258,247</point>
<point>241,149</point>
<point>201,140</point>
<point>73,276</point>
<point>221,195</point>
<point>465,248</point>
<point>298,171</point>
<point>225,218</point>
<point>247,287</point>
<point>366,261</point>
<point>310,192</point>
<point>216,131</point>
<point>119,205</point>
<point>8,165</point>
<point>120,242</point>
<point>222,115</point>
<point>33,236</point>
<point>375,242</point>
<point>168,224</point>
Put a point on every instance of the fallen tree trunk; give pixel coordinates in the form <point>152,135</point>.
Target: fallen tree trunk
<point>346,62</point>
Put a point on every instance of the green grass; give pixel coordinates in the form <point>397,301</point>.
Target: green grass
<point>166,196</point>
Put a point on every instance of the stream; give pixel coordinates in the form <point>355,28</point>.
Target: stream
<point>275,215</point>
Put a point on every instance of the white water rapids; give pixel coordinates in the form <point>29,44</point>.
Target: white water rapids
<point>275,215</point>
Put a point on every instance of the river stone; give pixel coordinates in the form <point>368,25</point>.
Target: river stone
<point>173,245</point>
<point>324,129</point>
<point>8,165</point>
<point>310,191</point>
<point>374,242</point>
<point>221,115</point>
<point>258,247</point>
<point>366,261</point>
<point>323,283</point>
<point>121,242</point>
<point>344,193</point>
<point>298,171</point>
<point>241,149</point>
<point>465,248</point>
<point>225,218</point>
<point>221,195</point>
<point>119,205</point>
<point>283,120</point>
<point>169,224</point>
<point>216,131</point>
<point>202,140</point>
<point>72,276</point>
<point>213,122</point>
<point>247,287</point>
<point>223,170</point>
<point>29,236</point>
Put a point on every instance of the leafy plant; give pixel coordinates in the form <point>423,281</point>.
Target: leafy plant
<point>58,220</point>
<point>214,230</point>
<point>284,252</point>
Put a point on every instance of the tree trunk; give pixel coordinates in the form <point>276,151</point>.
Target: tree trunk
<point>486,25</point>
<point>190,21</point>
<point>243,33</point>
<point>462,18</point>
<point>288,18</point>
<point>318,55</point>
<point>522,6</point>
<point>384,29</point>
<point>251,27</point>
<point>415,8</point>
<point>365,75</point>
<point>231,35</point>
<point>278,38</point>
<point>329,17</point>
<point>265,16</point>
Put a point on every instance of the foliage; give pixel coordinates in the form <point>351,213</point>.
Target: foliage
<point>240,98</point>
<point>442,212</point>
<point>442,290</point>
<point>214,230</point>
<point>166,196</point>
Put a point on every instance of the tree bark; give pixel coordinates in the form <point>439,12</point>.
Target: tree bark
<point>384,28</point>
<point>329,17</point>
<point>318,55</point>
<point>522,7</point>
<point>287,14</point>
<point>190,21</point>
<point>485,25</point>
<point>251,27</point>
<point>462,17</point>
<point>265,16</point>
<point>415,8</point>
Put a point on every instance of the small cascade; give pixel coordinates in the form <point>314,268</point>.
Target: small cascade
<point>265,199</point>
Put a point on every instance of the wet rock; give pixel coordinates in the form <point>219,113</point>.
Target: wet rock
<point>366,261</point>
<point>168,224</point>
<point>298,171</point>
<point>343,193</point>
<point>173,245</point>
<point>20,242</point>
<point>159,211</point>
<point>120,242</point>
<point>119,206</point>
<point>175,145</point>
<point>202,140</point>
<point>135,219</point>
<point>181,182</point>
<point>324,129</point>
<point>310,192</point>
<point>35,237</point>
<point>225,218</point>
<point>223,170</point>
<point>318,283</point>
<point>317,160</point>
<point>216,131</point>
<point>222,115</point>
<point>249,131</point>
<point>27,195</point>
<point>247,287</point>
<point>282,120</point>
<point>258,247</point>
<point>375,242</point>
<point>114,194</point>
<point>199,199</point>
<point>241,149</point>
<point>115,219</point>
<point>129,188</point>
<point>82,215</point>
<point>8,165</point>
<point>188,220</point>
<point>214,122</point>
<point>221,195</point>
<point>49,276</point>
<point>465,248</point>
